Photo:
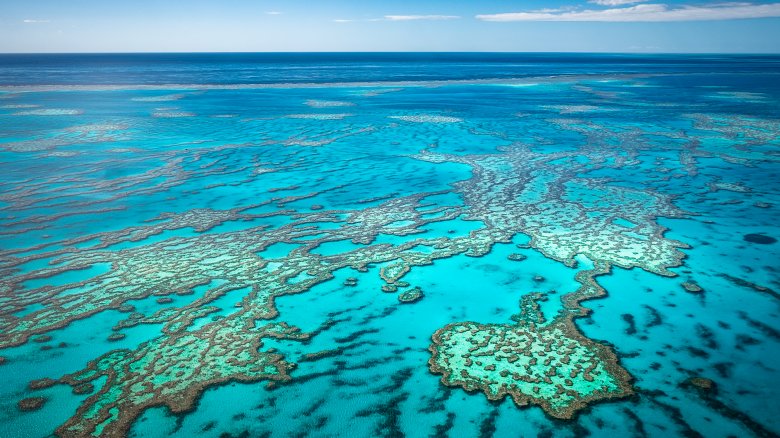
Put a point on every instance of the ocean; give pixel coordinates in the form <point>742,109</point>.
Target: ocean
<point>389,244</point>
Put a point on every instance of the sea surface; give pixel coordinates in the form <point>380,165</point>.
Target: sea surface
<point>389,244</point>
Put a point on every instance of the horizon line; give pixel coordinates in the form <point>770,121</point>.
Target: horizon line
<point>392,52</point>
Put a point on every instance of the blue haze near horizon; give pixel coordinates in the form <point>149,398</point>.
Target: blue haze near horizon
<point>300,68</point>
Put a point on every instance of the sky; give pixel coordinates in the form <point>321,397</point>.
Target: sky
<point>666,26</point>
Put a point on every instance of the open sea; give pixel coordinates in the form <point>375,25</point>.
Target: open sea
<point>389,244</point>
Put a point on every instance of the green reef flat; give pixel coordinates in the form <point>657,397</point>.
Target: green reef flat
<point>552,257</point>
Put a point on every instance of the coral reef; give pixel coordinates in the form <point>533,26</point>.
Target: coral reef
<point>411,295</point>
<point>559,220</point>
<point>195,259</point>
<point>31,404</point>
<point>692,287</point>
<point>551,365</point>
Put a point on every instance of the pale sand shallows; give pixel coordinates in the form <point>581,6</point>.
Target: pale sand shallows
<point>172,115</point>
<point>319,116</point>
<point>50,112</point>
<point>427,118</point>
<point>327,103</point>
<point>190,87</point>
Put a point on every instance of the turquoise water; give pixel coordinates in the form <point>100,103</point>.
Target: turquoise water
<point>209,246</point>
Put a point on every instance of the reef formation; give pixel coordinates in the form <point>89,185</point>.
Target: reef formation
<point>558,199</point>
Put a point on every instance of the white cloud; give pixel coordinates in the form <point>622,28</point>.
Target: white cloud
<point>404,18</point>
<point>36,21</point>
<point>419,17</point>
<point>273,13</point>
<point>648,13</point>
<point>615,2</point>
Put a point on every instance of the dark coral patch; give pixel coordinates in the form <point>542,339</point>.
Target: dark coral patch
<point>42,383</point>
<point>113,337</point>
<point>31,404</point>
<point>692,287</point>
<point>762,239</point>
<point>517,257</point>
<point>411,295</point>
<point>702,384</point>
<point>84,388</point>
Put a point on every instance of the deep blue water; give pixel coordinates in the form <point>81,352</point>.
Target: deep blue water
<point>179,230</point>
<point>273,68</point>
